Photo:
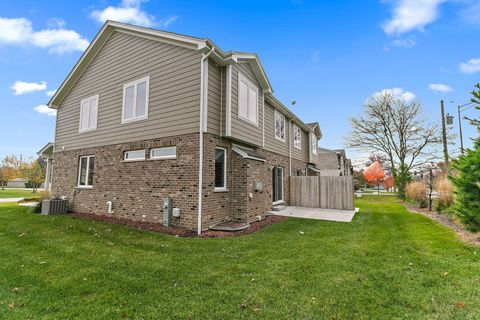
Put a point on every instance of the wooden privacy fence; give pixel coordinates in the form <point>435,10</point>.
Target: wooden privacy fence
<point>322,192</point>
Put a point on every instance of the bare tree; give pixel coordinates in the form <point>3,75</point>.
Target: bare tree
<point>394,128</point>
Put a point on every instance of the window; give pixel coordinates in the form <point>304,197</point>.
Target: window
<point>314,144</point>
<point>86,169</point>
<point>297,137</point>
<point>220,169</point>
<point>279,126</point>
<point>164,153</point>
<point>134,155</point>
<point>88,114</point>
<point>135,100</point>
<point>247,99</point>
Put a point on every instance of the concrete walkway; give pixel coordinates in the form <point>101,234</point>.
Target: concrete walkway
<point>318,213</point>
<point>10,199</point>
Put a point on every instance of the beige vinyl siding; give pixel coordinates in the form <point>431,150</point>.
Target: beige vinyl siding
<point>271,143</point>
<point>174,93</point>
<point>303,153</point>
<point>312,157</point>
<point>242,129</point>
<point>214,98</point>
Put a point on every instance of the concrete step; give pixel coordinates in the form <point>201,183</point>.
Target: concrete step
<point>278,208</point>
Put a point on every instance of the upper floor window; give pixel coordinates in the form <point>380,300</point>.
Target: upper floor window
<point>86,166</point>
<point>88,114</point>
<point>314,143</point>
<point>247,100</point>
<point>279,126</point>
<point>297,137</point>
<point>135,100</point>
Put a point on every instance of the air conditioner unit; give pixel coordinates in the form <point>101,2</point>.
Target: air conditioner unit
<point>54,206</point>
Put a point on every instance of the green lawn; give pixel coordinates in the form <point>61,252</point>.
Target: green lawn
<point>386,264</point>
<point>16,193</point>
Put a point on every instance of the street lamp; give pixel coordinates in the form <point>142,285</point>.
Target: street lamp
<point>460,109</point>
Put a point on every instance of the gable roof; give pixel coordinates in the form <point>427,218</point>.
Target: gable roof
<point>199,44</point>
<point>315,126</point>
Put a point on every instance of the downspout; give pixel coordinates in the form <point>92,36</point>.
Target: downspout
<point>203,96</point>
<point>290,148</point>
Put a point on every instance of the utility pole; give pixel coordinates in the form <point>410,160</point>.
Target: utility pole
<point>444,133</point>
<point>460,129</point>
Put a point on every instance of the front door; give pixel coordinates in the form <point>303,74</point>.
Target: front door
<point>277,184</point>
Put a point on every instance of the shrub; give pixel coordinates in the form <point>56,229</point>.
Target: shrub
<point>417,192</point>
<point>445,193</point>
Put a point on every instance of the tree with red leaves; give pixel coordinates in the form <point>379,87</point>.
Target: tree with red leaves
<point>374,174</point>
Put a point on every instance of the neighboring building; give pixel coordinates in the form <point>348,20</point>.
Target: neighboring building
<point>147,114</point>
<point>17,183</point>
<point>334,162</point>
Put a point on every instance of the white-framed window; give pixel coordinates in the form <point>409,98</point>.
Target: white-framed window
<point>279,126</point>
<point>163,153</point>
<point>247,100</point>
<point>88,114</point>
<point>135,100</point>
<point>86,169</point>
<point>134,155</point>
<point>220,168</point>
<point>314,143</point>
<point>297,137</point>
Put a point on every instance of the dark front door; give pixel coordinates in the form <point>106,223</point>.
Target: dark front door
<point>277,184</point>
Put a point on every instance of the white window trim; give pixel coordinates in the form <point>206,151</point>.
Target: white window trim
<point>80,130</point>
<point>313,147</point>
<point>134,83</point>
<point>250,84</point>
<point>163,157</point>
<point>86,186</point>
<point>136,159</point>
<point>275,126</point>
<point>297,128</point>
<point>224,188</point>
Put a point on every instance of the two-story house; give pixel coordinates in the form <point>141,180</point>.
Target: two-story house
<point>333,162</point>
<point>146,114</point>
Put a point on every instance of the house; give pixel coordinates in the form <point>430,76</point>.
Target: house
<point>46,153</point>
<point>17,183</point>
<point>146,114</point>
<point>333,162</point>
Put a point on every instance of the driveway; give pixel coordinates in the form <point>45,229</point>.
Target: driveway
<point>317,213</point>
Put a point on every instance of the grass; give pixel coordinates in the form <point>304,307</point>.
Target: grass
<point>16,193</point>
<point>386,264</point>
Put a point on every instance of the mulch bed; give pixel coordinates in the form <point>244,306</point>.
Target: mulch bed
<point>177,231</point>
<point>465,235</point>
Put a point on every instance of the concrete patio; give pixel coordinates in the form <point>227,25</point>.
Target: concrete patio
<point>317,213</point>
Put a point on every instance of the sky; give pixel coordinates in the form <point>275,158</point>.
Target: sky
<point>328,56</point>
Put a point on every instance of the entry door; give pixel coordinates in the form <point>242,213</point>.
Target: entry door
<point>277,184</point>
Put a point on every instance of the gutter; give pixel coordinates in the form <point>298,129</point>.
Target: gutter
<point>203,99</point>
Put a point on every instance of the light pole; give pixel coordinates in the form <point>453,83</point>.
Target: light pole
<point>460,109</point>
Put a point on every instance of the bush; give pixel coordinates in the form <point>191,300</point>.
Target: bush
<point>41,196</point>
<point>445,193</point>
<point>416,192</point>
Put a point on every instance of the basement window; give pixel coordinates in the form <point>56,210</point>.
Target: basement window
<point>220,169</point>
<point>163,153</point>
<point>86,169</point>
<point>134,155</point>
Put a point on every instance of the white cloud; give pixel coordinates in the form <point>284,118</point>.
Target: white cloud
<point>43,109</point>
<point>404,43</point>
<point>409,15</point>
<point>56,23</point>
<point>20,87</point>
<point>19,31</point>
<point>471,12</point>
<point>440,87</point>
<point>397,93</point>
<point>168,21</point>
<point>129,12</point>
<point>50,93</point>
<point>471,66</point>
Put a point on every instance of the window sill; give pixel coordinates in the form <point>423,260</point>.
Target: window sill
<point>134,119</point>
<point>87,130</point>
<point>220,190</point>
<point>84,187</point>
<point>134,160</point>
<point>280,139</point>
<point>165,158</point>
<point>278,202</point>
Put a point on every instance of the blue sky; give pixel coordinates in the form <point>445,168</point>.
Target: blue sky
<point>327,55</point>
